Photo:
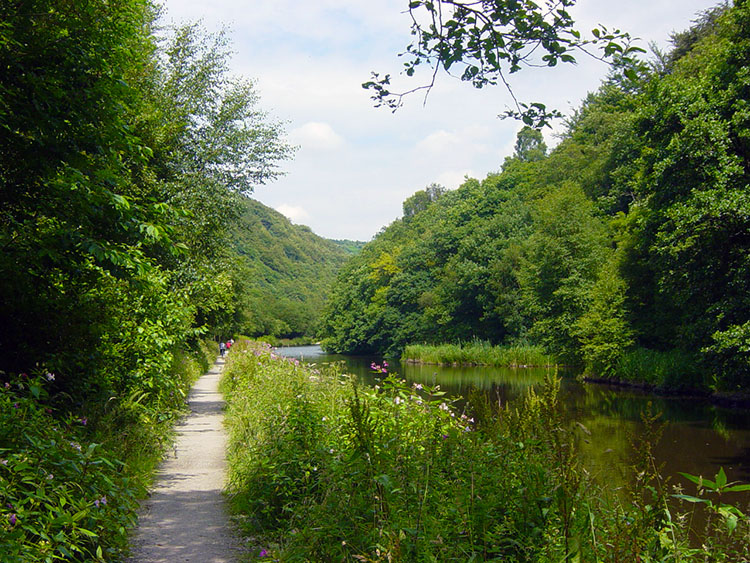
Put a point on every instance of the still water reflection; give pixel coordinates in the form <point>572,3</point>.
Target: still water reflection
<point>697,437</point>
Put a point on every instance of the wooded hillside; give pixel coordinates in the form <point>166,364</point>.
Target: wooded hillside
<point>626,249</point>
<point>285,272</point>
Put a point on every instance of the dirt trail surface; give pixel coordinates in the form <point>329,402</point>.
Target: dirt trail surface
<point>185,517</point>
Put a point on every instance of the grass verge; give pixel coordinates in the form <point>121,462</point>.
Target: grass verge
<point>323,469</point>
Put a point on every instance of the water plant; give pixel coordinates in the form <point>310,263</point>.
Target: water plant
<point>478,352</point>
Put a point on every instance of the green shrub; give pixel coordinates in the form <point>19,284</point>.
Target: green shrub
<point>323,469</point>
<point>62,496</point>
<point>137,426</point>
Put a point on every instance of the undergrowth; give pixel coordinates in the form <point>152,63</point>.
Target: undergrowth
<point>324,469</point>
<point>71,476</point>
<point>672,370</point>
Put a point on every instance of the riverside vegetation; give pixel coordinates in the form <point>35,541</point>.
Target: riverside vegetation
<point>624,250</point>
<point>323,468</point>
<point>126,158</point>
<point>478,353</point>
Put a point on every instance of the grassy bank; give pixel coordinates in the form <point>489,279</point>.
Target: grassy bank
<point>669,371</point>
<point>322,469</point>
<point>477,353</point>
<point>70,479</point>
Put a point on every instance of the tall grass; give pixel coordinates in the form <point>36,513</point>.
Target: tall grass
<point>138,428</point>
<point>322,469</point>
<point>478,353</point>
<point>674,369</point>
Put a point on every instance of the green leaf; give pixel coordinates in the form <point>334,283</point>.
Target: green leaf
<point>700,481</point>
<point>721,478</point>
<point>731,521</point>
<point>692,499</point>
<point>736,488</point>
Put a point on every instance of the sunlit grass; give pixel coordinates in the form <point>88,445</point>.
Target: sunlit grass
<point>478,353</point>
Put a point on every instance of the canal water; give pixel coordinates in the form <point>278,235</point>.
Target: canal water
<point>697,437</point>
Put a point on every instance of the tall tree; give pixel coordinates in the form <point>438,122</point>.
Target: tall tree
<point>694,195</point>
<point>70,163</point>
<point>530,145</point>
<point>116,159</point>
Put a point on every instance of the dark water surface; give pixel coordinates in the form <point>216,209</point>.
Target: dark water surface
<point>697,438</point>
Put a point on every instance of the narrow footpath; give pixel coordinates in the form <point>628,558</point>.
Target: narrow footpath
<point>185,518</point>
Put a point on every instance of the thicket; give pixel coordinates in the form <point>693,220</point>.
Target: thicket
<point>322,469</point>
<point>627,244</point>
<point>125,149</point>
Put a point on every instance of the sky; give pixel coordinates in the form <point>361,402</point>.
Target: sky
<point>355,164</point>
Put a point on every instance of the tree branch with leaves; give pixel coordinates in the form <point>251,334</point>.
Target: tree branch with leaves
<point>485,41</point>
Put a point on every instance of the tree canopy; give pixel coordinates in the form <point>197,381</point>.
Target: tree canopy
<point>121,154</point>
<point>632,234</point>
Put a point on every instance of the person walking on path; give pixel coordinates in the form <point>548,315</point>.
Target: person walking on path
<point>185,517</point>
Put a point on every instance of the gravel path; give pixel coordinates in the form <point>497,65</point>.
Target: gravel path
<point>185,517</point>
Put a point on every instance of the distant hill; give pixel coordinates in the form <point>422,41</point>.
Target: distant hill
<point>286,271</point>
<point>351,246</point>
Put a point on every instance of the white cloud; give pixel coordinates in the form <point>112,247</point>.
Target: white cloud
<point>316,135</point>
<point>452,179</point>
<point>357,164</point>
<point>439,142</point>
<point>294,213</point>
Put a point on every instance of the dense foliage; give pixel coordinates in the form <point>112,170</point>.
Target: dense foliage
<point>121,160</point>
<point>323,469</point>
<point>284,273</point>
<point>122,157</point>
<point>629,241</point>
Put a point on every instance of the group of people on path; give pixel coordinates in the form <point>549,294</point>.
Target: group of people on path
<point>225,346</point>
